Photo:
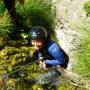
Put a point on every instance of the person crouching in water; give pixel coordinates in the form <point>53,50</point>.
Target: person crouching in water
<point>47,51</point>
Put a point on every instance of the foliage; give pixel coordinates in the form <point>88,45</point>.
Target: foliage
<point>6,26</point>
<point>5,21</point>
<point>2,8</point>
<point>35,13</point>
<point>87,7</point>
<point>14,54</point>
<point>13,58</point>
<point>83,55</point>
<point>32,13</point>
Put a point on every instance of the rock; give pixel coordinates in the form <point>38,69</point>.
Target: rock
<point>68,14</point>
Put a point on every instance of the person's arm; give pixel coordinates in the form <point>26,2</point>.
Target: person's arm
<point>58,57</point>
<point>1,81</point>
<point>41,58</point>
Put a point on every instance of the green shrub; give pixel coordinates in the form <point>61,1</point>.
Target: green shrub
<point>2,8</point>
<point>6,25</point>
<point>13,58</point>
<point>36,13</point>
<point>32,13</point>
<point>87,7</point>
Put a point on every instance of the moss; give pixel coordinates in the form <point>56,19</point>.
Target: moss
<point>13,58</point>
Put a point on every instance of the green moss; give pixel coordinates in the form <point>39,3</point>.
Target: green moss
<point>13,58</point>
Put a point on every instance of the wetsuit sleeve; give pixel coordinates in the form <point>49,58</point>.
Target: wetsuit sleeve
<point>39,54</point>
<point>58,57</point>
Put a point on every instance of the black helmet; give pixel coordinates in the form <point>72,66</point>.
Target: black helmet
<point>38,33</point>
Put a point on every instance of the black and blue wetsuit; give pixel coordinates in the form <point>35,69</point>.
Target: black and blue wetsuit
<point>55,55</point>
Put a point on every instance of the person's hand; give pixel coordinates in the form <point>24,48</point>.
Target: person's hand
<point>42,65</point>
<point>1,81</point>
<point>41,59</point>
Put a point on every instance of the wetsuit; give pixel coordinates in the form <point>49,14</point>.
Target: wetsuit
<point>53,53</point>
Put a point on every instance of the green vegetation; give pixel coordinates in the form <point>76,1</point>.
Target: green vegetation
<point>5,21</point>
<point>14,54</point>
<point>87,7</point>
<point>6,26</point>
<point>12,57</point>
<point>83,56</point>
<point>32,13</point>
<point>2,8</point>
<point>40,13</point>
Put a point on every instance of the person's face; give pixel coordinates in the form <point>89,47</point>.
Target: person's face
<point>37,44</point>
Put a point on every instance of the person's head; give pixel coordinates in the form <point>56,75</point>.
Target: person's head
<point>38,36</point>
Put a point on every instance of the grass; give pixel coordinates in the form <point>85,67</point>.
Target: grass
<point>87,7</point>
<point>5,21</point>
<point>32,13</point>
<point>2,7</point>
<point>36,13</point>
<point>5,25</point>
<point>83,56</point>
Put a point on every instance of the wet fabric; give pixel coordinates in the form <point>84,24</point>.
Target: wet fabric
<point>52,53</point>
<point>48,77</point>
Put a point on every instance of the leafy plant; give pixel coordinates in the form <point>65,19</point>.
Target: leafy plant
<point>6,26</point>
<point>2,8</point>
<point>32,13</point>
<point>87,7</point>
<point>36,13</point>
